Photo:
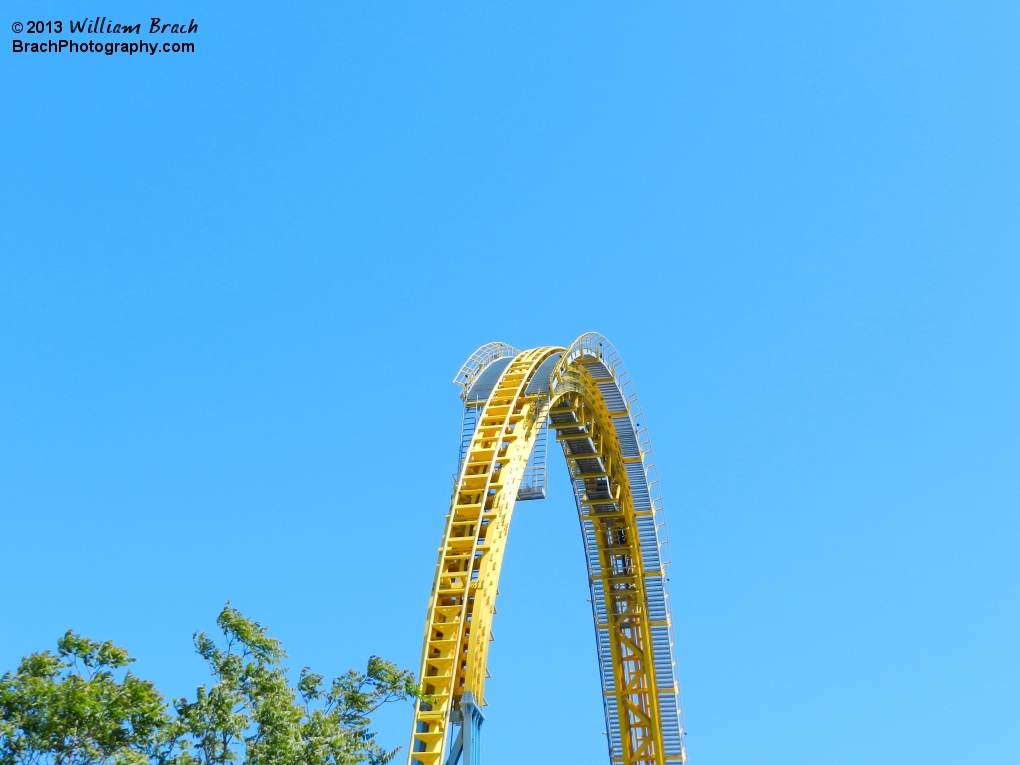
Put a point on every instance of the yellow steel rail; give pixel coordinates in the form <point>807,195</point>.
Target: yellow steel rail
<point>585,405</point>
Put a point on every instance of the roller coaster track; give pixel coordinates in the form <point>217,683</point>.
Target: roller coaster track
<point>512,400</point>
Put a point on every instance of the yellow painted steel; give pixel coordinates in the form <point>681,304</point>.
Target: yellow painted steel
<point>462,602</point>
<point>634,684</point>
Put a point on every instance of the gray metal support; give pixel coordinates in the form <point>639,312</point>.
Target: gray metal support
<point>468,741</point>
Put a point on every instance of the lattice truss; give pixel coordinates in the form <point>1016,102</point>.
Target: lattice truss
<point>512,401</point>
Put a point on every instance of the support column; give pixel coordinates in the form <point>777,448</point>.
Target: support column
<point>468,741</point>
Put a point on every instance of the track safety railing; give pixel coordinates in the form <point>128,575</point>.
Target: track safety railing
<point>478,361</point>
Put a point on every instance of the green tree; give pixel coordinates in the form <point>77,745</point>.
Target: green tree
<point>71,708</point>
<point>80,707</point>
<point>252,714</point>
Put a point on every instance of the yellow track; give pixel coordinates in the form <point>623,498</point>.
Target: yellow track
<point>585,403</point>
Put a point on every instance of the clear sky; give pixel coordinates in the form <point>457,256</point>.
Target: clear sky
<point>235,285</point>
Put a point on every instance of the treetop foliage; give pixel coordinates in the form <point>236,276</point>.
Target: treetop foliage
<point>81,706</point>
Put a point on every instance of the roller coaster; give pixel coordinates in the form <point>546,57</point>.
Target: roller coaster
<point>512,399</point>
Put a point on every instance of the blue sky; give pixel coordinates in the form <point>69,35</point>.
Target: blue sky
<point>234,286</point>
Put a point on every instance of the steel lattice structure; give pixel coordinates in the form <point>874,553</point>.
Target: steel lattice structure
<point>512,400</point>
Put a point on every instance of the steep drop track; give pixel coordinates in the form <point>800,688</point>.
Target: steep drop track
<point>512,400</point>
